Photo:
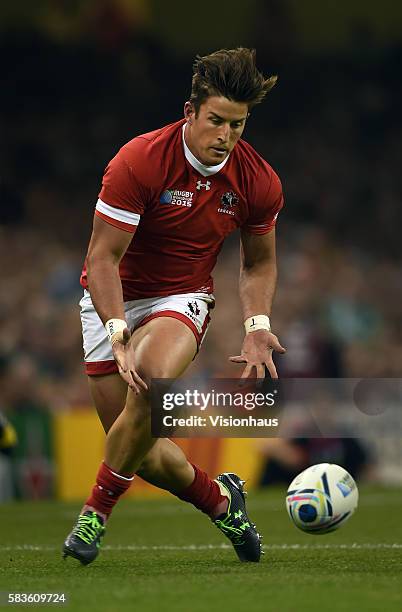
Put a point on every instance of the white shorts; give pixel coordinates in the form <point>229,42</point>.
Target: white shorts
<point>191,308</point>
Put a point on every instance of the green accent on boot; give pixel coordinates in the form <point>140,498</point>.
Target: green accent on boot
<point>233,533</point>
<point>88,528</point>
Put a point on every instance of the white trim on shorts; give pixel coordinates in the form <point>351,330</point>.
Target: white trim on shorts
<point>191,308</point>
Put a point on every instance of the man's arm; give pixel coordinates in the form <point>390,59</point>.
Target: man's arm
<point>257,287</point>
<point>106,249</point>
<point>257,273</point>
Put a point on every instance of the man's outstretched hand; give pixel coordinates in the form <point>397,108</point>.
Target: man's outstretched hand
<point>256,352</point>
<point>124,356</point>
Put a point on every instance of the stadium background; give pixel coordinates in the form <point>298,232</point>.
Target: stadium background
<point>81,78</point>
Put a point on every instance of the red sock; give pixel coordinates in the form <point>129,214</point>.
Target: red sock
<point>109,486</point>
<point>205,494</point>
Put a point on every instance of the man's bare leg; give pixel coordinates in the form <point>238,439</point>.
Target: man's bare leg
<point>165,465</point>
<point>163,349</point>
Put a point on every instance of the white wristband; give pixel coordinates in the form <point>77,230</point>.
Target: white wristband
<point>114,328</point>
<point>257,322</point>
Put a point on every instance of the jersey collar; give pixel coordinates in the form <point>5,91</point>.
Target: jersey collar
<point>197,165</point>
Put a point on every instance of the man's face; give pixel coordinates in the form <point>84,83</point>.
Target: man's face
<point>212,135</point>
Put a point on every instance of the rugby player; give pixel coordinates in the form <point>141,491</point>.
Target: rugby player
<point>168,200</point>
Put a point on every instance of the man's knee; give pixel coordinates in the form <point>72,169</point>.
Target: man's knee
<point>151,372</point>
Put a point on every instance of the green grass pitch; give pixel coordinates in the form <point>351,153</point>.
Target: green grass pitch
<point>162,555</point>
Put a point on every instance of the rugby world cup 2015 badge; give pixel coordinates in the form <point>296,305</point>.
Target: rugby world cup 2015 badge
<point>177,197</point>
<point>228,202</point>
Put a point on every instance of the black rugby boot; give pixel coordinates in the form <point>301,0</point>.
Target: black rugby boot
<point>83,542</point>
<point>235,524</point>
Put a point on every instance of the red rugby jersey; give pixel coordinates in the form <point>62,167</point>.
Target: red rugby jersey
<point>183,210</point>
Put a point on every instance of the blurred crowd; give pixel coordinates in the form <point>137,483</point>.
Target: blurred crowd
<point>332,131</point>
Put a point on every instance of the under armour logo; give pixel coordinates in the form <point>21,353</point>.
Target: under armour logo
<point>207,185</point>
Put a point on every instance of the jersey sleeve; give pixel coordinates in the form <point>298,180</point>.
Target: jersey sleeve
<point>266,204</point>
<point>122,197</point>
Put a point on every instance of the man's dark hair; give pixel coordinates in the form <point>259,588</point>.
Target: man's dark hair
<point>231,73</point>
